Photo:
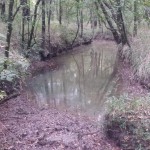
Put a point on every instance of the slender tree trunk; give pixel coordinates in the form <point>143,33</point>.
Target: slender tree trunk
<point>49,26</point>
<point>91,18</point>
<point>78,27</point>
<point>43,25</point>
<point>81,22</point>
<point>28,19</point>
<point>60,12</point>
<point>135,19</point>
<point>121,26</point>
<point>3,9</point>
<point>110,23</point>
<point>23,31</point>
<point>147,15</point>
<point>118,31</point>
<point>99,23</point>
<point>33,24</point>
<point>24,14</point>
<point>9,31</point>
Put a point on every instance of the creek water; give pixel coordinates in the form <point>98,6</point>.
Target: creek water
<point>81,80</point>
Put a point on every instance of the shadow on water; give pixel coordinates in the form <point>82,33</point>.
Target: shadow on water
<point>82,80</point>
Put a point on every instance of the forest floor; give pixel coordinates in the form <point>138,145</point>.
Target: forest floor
<point>23,126</point>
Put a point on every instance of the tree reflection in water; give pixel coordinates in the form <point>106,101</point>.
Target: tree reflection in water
<point>82,80</point>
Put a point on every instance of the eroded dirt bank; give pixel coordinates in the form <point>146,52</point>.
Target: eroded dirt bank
<point>128,122</point>
<point>23,126</point>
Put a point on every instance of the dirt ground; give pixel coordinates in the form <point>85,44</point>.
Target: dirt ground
<point>23,126</point>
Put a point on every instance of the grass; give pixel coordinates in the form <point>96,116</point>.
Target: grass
<point>141,54</point>
<point>128,118</point>
<point>128,122</point>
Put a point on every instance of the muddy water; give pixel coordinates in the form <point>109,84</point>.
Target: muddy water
<point>81,81</point>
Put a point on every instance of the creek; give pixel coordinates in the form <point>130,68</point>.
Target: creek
<point>81,80</point>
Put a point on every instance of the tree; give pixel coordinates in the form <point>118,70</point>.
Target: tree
<point>135,19</point>
<point>25,14</point>
<point>33,24</point>
<point>60,12</point>
<point>114,17</point>
<point>49,14</point>
<point>9,31</point>
<point>3,8</point>
<point>43,25</point>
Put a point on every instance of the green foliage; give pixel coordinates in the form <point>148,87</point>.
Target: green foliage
<point>146,3</point>
<point>17,66</point>
<point>128,122</point>
<point>67,35</point>
<point>8,75</point>
<point>125,103</point>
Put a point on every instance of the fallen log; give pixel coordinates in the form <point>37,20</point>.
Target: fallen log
<point>14,95</point>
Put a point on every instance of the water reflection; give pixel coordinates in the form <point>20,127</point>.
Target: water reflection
<point>80,81</point>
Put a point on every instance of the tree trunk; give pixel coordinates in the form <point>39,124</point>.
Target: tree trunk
<point>49,26</point>
<point>28,19</point>
<point>24,7</point>
<point>60,12</point>
<point>116,24</point>
<point>43,25</point>
<point>135,19</point>
<point>91,18</point>
<point>9,31</point>
<point>121,24</point>
<point>110,23</point>
<point>3,9</point>
<point>33,24</point>
<point>81,22</point>
<point>78,26</point>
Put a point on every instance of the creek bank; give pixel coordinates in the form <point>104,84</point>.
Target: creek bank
<point>37,67</point>
<point>10,89</point>
<point>13,88</point>
<point>64,45</point>
<point>129,129</point>
<point>47,62</point>
<point>56,48</point>
<point>128,121</point>
<point>23,126</point>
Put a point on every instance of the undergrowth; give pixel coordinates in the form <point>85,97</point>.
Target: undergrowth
<point>141,54</point>
<point>17,67</point>
<point>128,122</point>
